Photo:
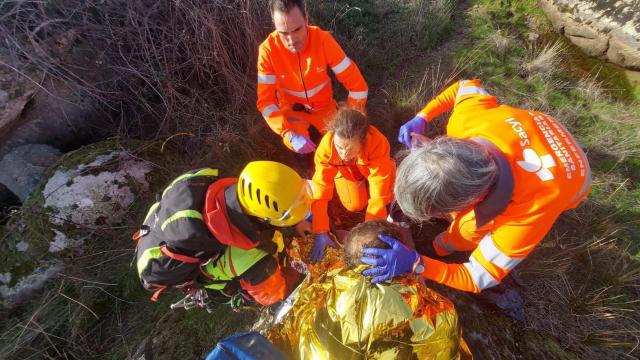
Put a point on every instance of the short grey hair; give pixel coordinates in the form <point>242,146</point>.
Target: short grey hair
<point>443,175</point>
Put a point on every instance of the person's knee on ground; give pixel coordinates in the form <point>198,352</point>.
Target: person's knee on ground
<point>353,194</point>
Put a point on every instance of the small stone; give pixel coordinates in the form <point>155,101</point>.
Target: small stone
<point>22,246</point>
<point>27,285</point>
<point>61,242</point>
<point>5,278</point>
<point>531,36</point>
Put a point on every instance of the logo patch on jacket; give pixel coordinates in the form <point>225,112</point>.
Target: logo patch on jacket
<point>535,163</point>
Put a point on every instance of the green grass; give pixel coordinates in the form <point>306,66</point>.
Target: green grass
<point>580,281</point>
<point>582,277</point>
<point>383,35</point>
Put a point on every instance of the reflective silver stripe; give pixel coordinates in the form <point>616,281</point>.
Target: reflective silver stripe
<point>470,90</point>
<point>266,112</point>
<point>491,252</point>
<point>587,178</point>
<point>359,95</point>
<point>310,92</point>
<point>481,277</point>
<point>342,66</point>
<point>448,247</point>
<point>266,79</point>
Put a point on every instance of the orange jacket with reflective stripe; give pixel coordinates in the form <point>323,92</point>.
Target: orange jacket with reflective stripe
<point>374,164</point>
<point>286,78</point>
<point>550,174</point>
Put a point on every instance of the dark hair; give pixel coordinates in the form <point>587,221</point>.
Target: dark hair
<point>286,5</point>
<point>350,124</point>
<point>366,234</point>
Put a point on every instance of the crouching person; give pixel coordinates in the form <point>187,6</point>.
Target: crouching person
<point>222,234</point>
<point>354,158</point>
<point>341,315</point>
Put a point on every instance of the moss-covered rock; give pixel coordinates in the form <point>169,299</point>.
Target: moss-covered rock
<point>87,191</point>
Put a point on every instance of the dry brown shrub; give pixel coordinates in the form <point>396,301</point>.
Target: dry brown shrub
<point>499,43</point>
<point>590,311</point>
<point>160,67</point>
<point>544,62</point>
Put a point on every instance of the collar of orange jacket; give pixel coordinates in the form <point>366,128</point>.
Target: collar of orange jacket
<point>501,192</point>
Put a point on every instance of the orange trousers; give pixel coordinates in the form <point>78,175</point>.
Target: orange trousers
<point>353,195</point>
<point>299,121</point>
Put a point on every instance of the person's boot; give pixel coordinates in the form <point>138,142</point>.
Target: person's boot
<point>507,297</point>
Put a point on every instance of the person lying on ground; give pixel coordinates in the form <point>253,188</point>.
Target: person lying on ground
<point>340,315</point>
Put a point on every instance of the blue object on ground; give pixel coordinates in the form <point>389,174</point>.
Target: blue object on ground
<point>245,346</point>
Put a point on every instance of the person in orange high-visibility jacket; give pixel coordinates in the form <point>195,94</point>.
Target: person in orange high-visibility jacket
<point>353,157</point>
<point>503,174</point>
<point>294,88</point>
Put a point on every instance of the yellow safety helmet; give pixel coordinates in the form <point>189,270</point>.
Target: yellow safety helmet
<point>274,192</point>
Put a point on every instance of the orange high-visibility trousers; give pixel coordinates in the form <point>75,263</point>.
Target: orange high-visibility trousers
<point>299,121</point>
<point>353,194</point>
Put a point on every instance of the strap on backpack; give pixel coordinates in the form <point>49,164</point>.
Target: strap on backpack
<point>184,258</point>
<point>156,293</point>
<point>140,233</point>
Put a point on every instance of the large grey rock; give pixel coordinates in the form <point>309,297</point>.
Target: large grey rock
<point>601,28</point>
<point>87,190</point>
<point>624,51</point>
<point>557,17</point>
<point>36,108</point>
<point>97,193</point>
<point>22,168</point>
<point>589,40</point>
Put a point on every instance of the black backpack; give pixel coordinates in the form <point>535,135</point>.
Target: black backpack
<point>174,241</point>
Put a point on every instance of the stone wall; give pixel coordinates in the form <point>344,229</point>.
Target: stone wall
<point>608,29</point>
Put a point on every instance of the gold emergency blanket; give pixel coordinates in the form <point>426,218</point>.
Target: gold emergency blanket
<point>339,314</point>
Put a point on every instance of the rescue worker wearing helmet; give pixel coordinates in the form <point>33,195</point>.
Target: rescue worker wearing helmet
<point>354,158</point>
<point>294,88</point>
<point>245,214</point>
<point>223,234</point>
<point>504,175</point>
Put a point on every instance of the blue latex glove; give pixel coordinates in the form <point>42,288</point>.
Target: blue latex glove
<point>415,125</point>
<point>319,244</point>
<point>301,144</point>
<point>389,263</point>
